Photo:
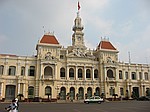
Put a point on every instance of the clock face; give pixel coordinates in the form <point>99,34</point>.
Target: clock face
<point>79,38</point>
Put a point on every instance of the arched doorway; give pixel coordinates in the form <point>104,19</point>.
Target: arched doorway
<point>89,92</point>
<point>81,93</point>
<point>72,93</point>
<point>97,91</point>
<point>48,92</point>
<point>63,93</point>
<point>30,92</point>
<point>10,92</point>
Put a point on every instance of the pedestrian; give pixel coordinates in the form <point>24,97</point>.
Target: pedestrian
<point>17,104</point>
<point>12,107</point>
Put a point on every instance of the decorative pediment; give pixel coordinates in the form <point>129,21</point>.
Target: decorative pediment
<point>49,57</point>
<point>80,53</point>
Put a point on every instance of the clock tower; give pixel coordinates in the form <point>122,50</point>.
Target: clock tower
<point>77,37</point>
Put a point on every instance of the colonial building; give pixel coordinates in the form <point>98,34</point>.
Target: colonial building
<point>75,72</point>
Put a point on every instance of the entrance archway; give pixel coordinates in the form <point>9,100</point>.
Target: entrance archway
<point>97,91</point>
<point>10,92</point>
<point>81,93</point>
<point>63,93</point>
<point>72,93</point>
<point>89,92</point>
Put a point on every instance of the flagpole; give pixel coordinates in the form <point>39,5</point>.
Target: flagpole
<point>78,8</point>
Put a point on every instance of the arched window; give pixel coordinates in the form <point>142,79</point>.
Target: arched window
<point>32,71</point>
<point>88,73</point>
<point>133,74</point>
<point>22,70</point>
<point>81,93</point>
<point>95,73</point>
<point>48,72</point>
<point>89,92</point>
<point>63,93</point>
<point>110,74</point>
<point>12,70</point>
<point>1,69</point>
<point>79,73</point>
<point>72,93</point>
<point>62,72</point>
<point>30,92</point>
<point>48,90</point>
<point>120,74</point>
<point>146,76</point>
<point>97,91</point>
<point>121,91</point>
<point>126,75</point>
<point>111,90</point>
<point>71,72</point>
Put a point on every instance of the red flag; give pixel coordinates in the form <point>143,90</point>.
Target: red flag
<point>78,5</point>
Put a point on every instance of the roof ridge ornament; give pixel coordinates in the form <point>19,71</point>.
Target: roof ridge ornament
<point>49,33</point>
<point>104,39</point>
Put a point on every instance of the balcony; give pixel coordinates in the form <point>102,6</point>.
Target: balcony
<point>46,77</point>
<point>111,80</point>
<point>63,78</point>
<point>80,78</point>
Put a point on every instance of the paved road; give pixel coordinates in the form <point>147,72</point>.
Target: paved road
<point>128,106</point>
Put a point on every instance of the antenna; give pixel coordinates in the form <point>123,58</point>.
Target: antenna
<point>44,29</point>
<point>129,57</point>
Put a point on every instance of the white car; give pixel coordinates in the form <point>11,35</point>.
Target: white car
<point>94,99</point>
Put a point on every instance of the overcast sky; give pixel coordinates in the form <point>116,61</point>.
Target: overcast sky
<point>125,22</point>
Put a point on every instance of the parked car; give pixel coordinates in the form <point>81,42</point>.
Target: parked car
<point>94,99</point>
<point>144,98</point>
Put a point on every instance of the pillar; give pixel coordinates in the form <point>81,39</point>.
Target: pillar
<point>67,72</point>
<point>84,72</point>
<point>92,73</point>
<point>76,73</point>
<point>18,88</point>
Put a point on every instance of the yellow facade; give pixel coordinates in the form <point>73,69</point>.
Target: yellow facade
<point>74,72</point>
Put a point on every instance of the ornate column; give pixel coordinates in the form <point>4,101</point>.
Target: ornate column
<point>129,69</point>
<point>76,74</point>
<point>41,75</point>
<point>144,92</point>
<point>104,83</point>
<point>56,77</point>
<point>1,84</point>
<point>24,89</point>
<point>84,72</point>
<point>26,68</point>
<point>67,72</point>
<point>18,88</point>
<point>18,70</point>
<point>130,91</point>
<point>6,67</point>
<point>92,72</point>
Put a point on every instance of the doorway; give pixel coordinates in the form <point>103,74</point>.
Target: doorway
<point>10,92</point>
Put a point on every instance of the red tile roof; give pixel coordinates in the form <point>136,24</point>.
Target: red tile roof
<point>49,39</point>
<point>106,45</point>
<point>11,55</point>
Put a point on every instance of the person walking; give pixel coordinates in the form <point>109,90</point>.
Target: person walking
<point>12,107</point>
<point>17,104</point>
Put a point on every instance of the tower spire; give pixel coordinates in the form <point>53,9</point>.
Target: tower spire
<point>77,37</point>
